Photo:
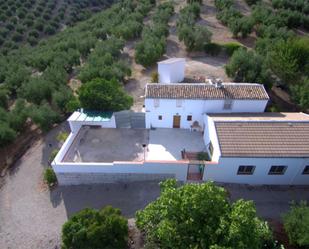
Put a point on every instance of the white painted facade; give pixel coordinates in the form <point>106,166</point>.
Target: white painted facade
<point>226,171</point>
<point>167,108</point>
<point>171,70</point>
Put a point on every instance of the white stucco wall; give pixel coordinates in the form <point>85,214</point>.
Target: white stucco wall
<point>171,72</point>
<point>175,169</point>
<point>226,171</point>
<point>210,135</point>
<point>167,109</point>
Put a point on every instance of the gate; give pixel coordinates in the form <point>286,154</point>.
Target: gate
<point>130,119</point>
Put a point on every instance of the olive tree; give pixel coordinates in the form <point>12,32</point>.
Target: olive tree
<point>201,216</point>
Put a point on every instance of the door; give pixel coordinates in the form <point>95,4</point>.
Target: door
<point>176,121</point>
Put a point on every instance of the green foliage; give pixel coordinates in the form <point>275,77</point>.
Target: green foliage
<point>201,216</point>
<point>238,24</point>
<point>296,224</point>
<point>213,48</point>
<point>203,156</point>
<point>72,105</point>
<point>50,177</point>
<point>104,95</point>
<point>7,134</point>
<point>62,136</point>
<point>194,36</point>
<point>247,66</point>
<point>300,93</point>
<point>154,77</point>
<point>44,116</point>
<point>252,2</point>
<point>289,59</point>
<point>91,228</point>
<point>3,98</point>
<point>231,47</point>
<point>153,43</point>
<point>53,154</point>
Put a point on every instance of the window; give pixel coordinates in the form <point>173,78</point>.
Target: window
<point>211,148</point>
<point>245,170</point>
<point>178,102</point>
<point>156,102</point>
<point>277,170</point>
<point>189,118</point>
<point>306,170</point>
<point>227,104</point>
<point>160,117</point>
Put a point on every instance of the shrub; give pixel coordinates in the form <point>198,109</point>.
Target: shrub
<point>62,136</point>
<point>296,224</point>
<point>213,48</point>
<point>231,47</point>
<point>53,154</point>
<point>154,77</point>
<point>50,177</point>
<point>203,156</point>
<point>91,228</point>
<point>44,116</point>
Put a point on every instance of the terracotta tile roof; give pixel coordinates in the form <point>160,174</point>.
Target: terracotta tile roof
<point>263,139</point>
<point>206,91</point>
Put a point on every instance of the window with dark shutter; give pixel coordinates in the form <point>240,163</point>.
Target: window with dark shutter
<point>245,170</point>
<point>277,170</point>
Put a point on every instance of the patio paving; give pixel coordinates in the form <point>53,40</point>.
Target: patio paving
<point>167,144</point>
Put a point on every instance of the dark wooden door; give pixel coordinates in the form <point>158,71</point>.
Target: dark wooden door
<point>176,121</point>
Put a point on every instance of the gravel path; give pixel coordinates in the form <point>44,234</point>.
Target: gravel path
<point>31,216</point>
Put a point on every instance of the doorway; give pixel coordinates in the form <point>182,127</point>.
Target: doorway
<point>195,172</point>
<point>176,121</point>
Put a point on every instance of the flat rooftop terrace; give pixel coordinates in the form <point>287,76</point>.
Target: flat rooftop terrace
<point>93,144</point>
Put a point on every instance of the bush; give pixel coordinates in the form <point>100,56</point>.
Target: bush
<point>53,154</point>
<point>62,136</point>
<point>203,156</point>
<point>231,47</point>
<point>154,77</point>
<point>50,177</point>
<point>296,224</point>
<point>91,228</point>
<point>44,116</point>
<point>201,216</point>
<point>213,48</point>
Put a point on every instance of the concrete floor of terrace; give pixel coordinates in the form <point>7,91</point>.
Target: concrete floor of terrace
<point>107,145</point>
<point>110,144</point>
<point>166,144</point>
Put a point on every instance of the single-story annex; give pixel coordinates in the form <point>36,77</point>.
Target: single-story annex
<point>191,131</point>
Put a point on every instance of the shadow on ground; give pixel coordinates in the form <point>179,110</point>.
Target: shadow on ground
<point>129,197</point>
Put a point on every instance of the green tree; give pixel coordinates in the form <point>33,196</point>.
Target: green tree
<point>201,216</point>
<point>300,93</point>
<point>296,224</point>
<point>247,66</point>
<point>104,95</point>
<point>43,116</point>
<point>7,134</point>
<point>90,228</point>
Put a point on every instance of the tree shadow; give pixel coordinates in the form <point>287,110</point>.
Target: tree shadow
<point>129,197</point>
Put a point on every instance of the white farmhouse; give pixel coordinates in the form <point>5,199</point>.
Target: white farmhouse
<point>193,132</point>
<point>182,105</point>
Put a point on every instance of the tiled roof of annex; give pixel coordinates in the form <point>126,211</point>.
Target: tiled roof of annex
<point>263,134</point>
